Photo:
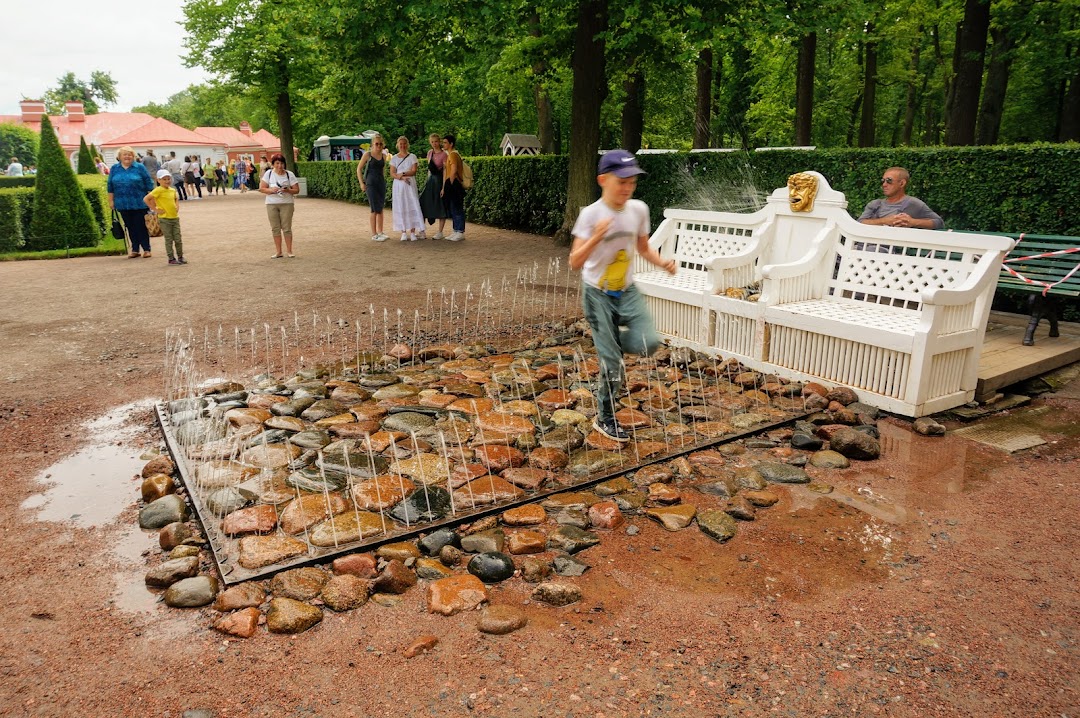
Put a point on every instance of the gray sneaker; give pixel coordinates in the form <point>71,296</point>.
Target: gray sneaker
<point>611,429</point>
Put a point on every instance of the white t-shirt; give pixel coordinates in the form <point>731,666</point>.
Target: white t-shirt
<point>15,170</point>
<point>610,267</point>
<point>275,180</point>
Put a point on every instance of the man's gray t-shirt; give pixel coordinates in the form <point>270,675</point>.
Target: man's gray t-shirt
<point>912,206</point>
<point>151,164</point>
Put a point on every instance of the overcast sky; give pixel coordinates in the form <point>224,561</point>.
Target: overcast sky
<point>138,42</point>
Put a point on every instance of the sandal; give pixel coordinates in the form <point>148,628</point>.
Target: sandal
<point>134,255</point>
<point>277,256</point>
<point>146,255</point>
<point>291,256</point>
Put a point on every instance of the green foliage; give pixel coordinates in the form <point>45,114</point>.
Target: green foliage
<point>96,189</point>
<point>24,181</point>
<point>62,214</point>
<point>17,210</point>
<point>99,90</point>
<point>86,162</point>
<point>995,189</point>
<point>18,141</point>
<point>215,105</point>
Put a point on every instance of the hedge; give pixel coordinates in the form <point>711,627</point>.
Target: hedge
<point>998,189</point>
<point>62,216</point>
<point>24,181</point>
<point>17,211</point>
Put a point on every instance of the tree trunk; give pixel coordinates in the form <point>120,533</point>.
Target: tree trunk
<point>866,126</point>
<point>968,71</point>
<point>1069,117</point>
<point>703,106</point>
<point>718,82</point>
<point>911,100</point>
<point>284,117</point>
<point>590,87</point>
<point>997,82</point>
<point>740,94</point>
<point>633,112</point>
<point>804,88</point>
<point>545,126</point>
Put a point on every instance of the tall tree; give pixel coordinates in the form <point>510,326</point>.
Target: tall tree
<point>590,88</point>
<point>703,106</point>
<point>545,124</point>
<point>804,88</point>
<point>968,59</point>
<point>997,82</point>
<point>633,112</point>
<point>86,161</point>
<point>869,93</point>
<point>94,93</point>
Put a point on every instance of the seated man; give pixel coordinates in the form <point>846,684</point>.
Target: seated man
<point>898,209</point>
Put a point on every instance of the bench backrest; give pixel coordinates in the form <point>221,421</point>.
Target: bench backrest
<point>1053,270</point>
<point>785,233</point>
<point>890,266</point>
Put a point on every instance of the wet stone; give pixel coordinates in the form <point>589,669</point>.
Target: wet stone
<point>631,501</point>
<point>740,508</point>
<point>653,474</point>
<point>429,503</point>
<point>928,427</point>
<point>408,422</point>
<point>528,515</point>
<point>270,456</point>
<point>173,535</point>
<point>241,624</point>
<point>451,555</point>
<point>401,550</point>
<point>293,407</point>
<point>158,465</point>
<point>200,431</point>
<point>819,488</point>
<point>855,444</point>
<point>717,524</point>
<point>527,478</point>
<point>345,592</point>
<point>762,498</point>
<point>525,542</point>
<point>162,512</point>
<point>312,439</point>
<point>489,541</point>
<point>556,594</point>
<point>594,461</point>
<point>376,381</point>
<point>500,620</point>
<point>240,417</point>
<point>491,567</point>
<point>569,566</point>
<point>534,569</point>
<point>322,409</point>
<point>423,469</point>
<point>563,417</point>
<point>382,492</point>
<point>306,511</point>
<point>345,528</point>
<point>183,551</point>
<point>725,488</point>
<point>455,594</point>
<point>360,464</point>
<point>315,481</point>
<point>430,569</point>
<point>286,423</point>
<point>169,572</point>
<point>549,458</point>
<point>395,391</point>
<point>227,500</point>
<point>191,592</point>
<point>614,486</point>
<point>829,460</point>
<point>606,515</point>
<point>673,518</point>
<point>430,544</point>
<point>842,394</point>
<point>244,595</point>
<point>498,458</point>
<point>259,551</point>
<point>394,578</point>
<point>806,441</point>
<point>573,517</point>
<point>356,564</point>
<point>155,486</point>
<point>289,616</point>
<point>781,473</point>
<point>302,584</point>
<point>571,539</point>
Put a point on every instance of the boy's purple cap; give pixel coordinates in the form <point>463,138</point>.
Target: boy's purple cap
<point>619,163</point>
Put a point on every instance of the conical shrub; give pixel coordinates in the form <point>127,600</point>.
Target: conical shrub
<point>86,160</point>
<point>62,216</point>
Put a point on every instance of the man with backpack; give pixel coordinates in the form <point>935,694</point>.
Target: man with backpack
<point>457,177</point>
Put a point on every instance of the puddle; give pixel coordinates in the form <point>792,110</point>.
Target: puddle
<point>92,486</point>
<point>130,594</point>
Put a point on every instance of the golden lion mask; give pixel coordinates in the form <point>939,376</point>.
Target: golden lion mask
<point>802,189</point>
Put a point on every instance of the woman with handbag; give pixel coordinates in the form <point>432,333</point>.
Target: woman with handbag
<point>128,183</point>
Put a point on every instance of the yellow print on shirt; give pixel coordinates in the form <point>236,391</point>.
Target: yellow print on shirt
<point>614,277</point>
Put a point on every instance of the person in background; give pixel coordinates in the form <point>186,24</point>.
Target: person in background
<point>406,205</point>
<point>241,175</point>
<point>102,168</point>
<point>208,177</point>
<point>279,185</point>
<point>898,208</point>
<point>264,164</point>
<point>453,191</point>
<point>189,177</point>
<point>431,203</point>
<point>128,183</point>
<point>176,169</point>
<point>15,169</point>
<point>162,201</point>
<point>222,176</point>
<point>150,162</point>
<point>371,172</point>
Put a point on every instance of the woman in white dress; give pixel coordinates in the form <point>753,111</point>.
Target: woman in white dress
<point>408,219</point>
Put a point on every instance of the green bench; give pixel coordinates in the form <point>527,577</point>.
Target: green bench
<point>1060,271</point>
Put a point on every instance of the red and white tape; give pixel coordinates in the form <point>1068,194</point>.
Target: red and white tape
<point>1046,287</point>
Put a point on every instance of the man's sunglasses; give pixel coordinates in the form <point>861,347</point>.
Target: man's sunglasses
<point>887,180</point>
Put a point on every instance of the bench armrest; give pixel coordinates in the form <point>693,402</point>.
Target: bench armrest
<point>806,263</point>
<point>985,273</point>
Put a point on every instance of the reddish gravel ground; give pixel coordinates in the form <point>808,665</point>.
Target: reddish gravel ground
<point>938,581</point>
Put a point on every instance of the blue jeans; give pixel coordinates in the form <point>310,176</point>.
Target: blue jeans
<point>619,325</point>
<point>454,194</point>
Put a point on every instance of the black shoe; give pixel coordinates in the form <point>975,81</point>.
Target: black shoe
<point>611,430</point>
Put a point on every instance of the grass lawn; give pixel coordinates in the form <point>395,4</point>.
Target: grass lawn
<point>108,246</point>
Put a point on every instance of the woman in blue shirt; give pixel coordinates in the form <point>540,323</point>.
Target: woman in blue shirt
<point>129,182</point>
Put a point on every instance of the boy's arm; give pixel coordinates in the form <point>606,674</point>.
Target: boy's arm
<point>584,246</point>
<point>151,202</point>
<point>643,248</point>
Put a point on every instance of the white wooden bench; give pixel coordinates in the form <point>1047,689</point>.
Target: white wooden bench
<point>717,251</point>
<point>896,314</point>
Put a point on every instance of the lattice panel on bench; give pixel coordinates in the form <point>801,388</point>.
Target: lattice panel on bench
<point>894,274</point>
<point>699,241</point>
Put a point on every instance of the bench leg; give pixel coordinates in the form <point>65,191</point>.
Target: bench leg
<point>1041,307</point>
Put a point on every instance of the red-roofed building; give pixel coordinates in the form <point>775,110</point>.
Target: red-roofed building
<point>112,130</point>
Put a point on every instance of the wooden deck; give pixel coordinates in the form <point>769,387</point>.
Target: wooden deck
<point>1005,360</point>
